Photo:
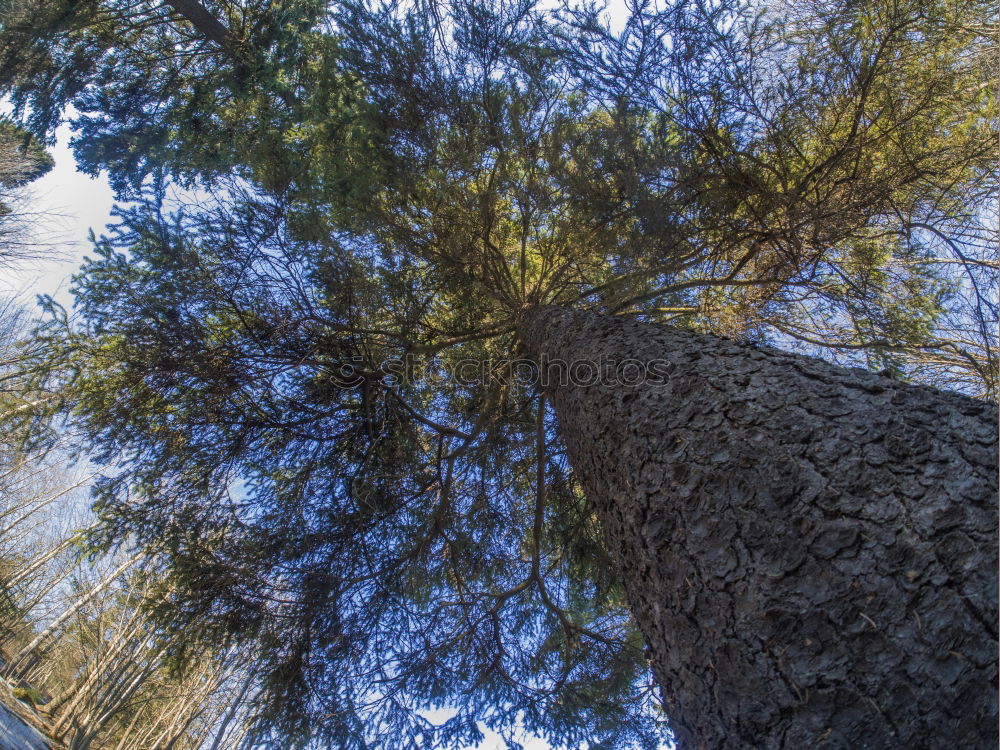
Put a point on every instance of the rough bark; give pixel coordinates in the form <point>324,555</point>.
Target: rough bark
<point>809,550</point>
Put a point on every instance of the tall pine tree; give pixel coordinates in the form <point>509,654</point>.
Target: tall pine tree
<point>294,380</point>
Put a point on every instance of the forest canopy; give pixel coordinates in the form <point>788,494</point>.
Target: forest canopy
<point>324,206</point>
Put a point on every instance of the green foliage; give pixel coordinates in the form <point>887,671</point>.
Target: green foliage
<point>22,158</point>
<point>117,63</point>
<point>381,192</point>
<point>29,695</point>
<point>315,516</point>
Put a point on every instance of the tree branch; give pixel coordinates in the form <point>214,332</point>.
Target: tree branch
<point>203,21</point>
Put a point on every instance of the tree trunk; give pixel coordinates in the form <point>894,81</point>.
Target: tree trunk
<point>14,668</point>
<point>202,19</point>
<point>809,550</point>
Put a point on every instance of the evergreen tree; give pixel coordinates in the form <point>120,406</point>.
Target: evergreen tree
<point>384,193</point>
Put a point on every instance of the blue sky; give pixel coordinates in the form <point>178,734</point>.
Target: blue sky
<point>68,204</point>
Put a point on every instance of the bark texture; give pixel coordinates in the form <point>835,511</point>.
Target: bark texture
<point>809,550</point>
